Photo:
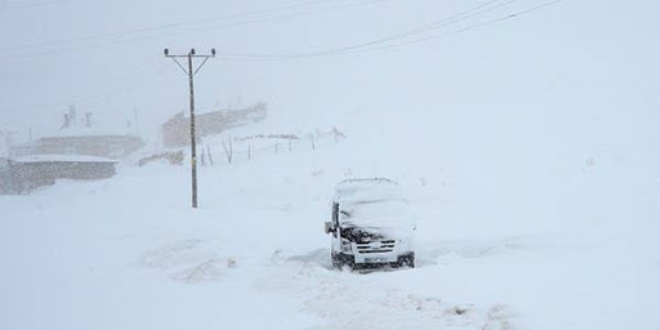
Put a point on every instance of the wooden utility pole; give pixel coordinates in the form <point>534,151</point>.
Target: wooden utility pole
<point>193,142</point>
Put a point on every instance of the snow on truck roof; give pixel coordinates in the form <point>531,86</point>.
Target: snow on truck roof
<point>375,203</point>
<point>360,190</point>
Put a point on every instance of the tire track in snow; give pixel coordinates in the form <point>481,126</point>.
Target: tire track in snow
<point>351,301</point>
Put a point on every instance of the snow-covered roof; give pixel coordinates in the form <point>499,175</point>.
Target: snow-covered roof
<point>92,131</point>
<point>375,203</point>
<point>61,158</point>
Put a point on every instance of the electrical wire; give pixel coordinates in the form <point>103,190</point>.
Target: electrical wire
<point>473,27</point>
<point>376,44</point>
<point>453,19</point>
<point>403,39</point>
<point>214,23</point>
<point>8,8</point>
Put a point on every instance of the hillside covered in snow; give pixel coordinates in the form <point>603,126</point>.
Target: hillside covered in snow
<point>524,135</point>
<point>543,238</point>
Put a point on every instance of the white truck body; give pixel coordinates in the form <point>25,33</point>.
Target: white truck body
<point>372,224</point>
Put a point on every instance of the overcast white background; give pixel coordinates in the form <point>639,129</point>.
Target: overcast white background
<point>106,57</point>
<point>530,150</point>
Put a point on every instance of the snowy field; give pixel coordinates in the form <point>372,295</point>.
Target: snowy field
<point>508,238</point>
<point>525,134</point>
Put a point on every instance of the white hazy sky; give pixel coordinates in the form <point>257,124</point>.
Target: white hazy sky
<point>572,60</point>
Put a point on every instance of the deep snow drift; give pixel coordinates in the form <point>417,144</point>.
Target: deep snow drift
<point>529,151</point>
<point>531,240</point>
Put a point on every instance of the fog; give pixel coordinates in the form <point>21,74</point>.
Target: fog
<point>524,134</point>
<point>566,64</point>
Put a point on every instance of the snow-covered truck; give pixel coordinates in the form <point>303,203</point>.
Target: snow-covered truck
<point>372,225</point>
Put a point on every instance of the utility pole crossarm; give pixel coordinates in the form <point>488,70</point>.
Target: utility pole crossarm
<point>193,143</point>
<point>201,65</point>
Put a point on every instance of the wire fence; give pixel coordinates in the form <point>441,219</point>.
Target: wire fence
<point>247,148</point>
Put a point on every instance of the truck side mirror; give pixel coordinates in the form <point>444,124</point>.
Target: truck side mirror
<point>328,227</point>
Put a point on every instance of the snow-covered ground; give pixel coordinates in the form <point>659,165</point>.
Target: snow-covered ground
<point>524,235</point>
<point>529,149</point>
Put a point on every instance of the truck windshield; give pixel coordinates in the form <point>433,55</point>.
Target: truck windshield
<point>377,214</point>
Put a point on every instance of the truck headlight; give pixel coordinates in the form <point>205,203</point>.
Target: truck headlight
<point>346,246</point>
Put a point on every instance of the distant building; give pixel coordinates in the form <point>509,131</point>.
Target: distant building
<point>20,175</point>
<point>110,146</point>
<point>76,151</point>
<point>176,131</point>
<point>75,138</point>
<point>6,178</point>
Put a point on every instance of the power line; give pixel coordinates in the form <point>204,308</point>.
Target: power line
<point>375,44</point>
<point>436,25</point>
<point>473,27</point>
<point>453,19</point>
<point>125,36</point>
<point>7,8</point>
<point>104,36</point>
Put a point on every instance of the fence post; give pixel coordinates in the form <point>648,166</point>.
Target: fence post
<point>229,151</point>
<point>208,151</point>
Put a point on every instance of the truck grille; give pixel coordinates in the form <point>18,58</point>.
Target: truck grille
<point>376,247</point>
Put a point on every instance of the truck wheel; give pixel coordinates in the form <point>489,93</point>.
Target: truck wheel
<point>348,264</point>
<point>407,260</point>
<point>411,263</point>
<point>336,263</point>
<point>341,261</point>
